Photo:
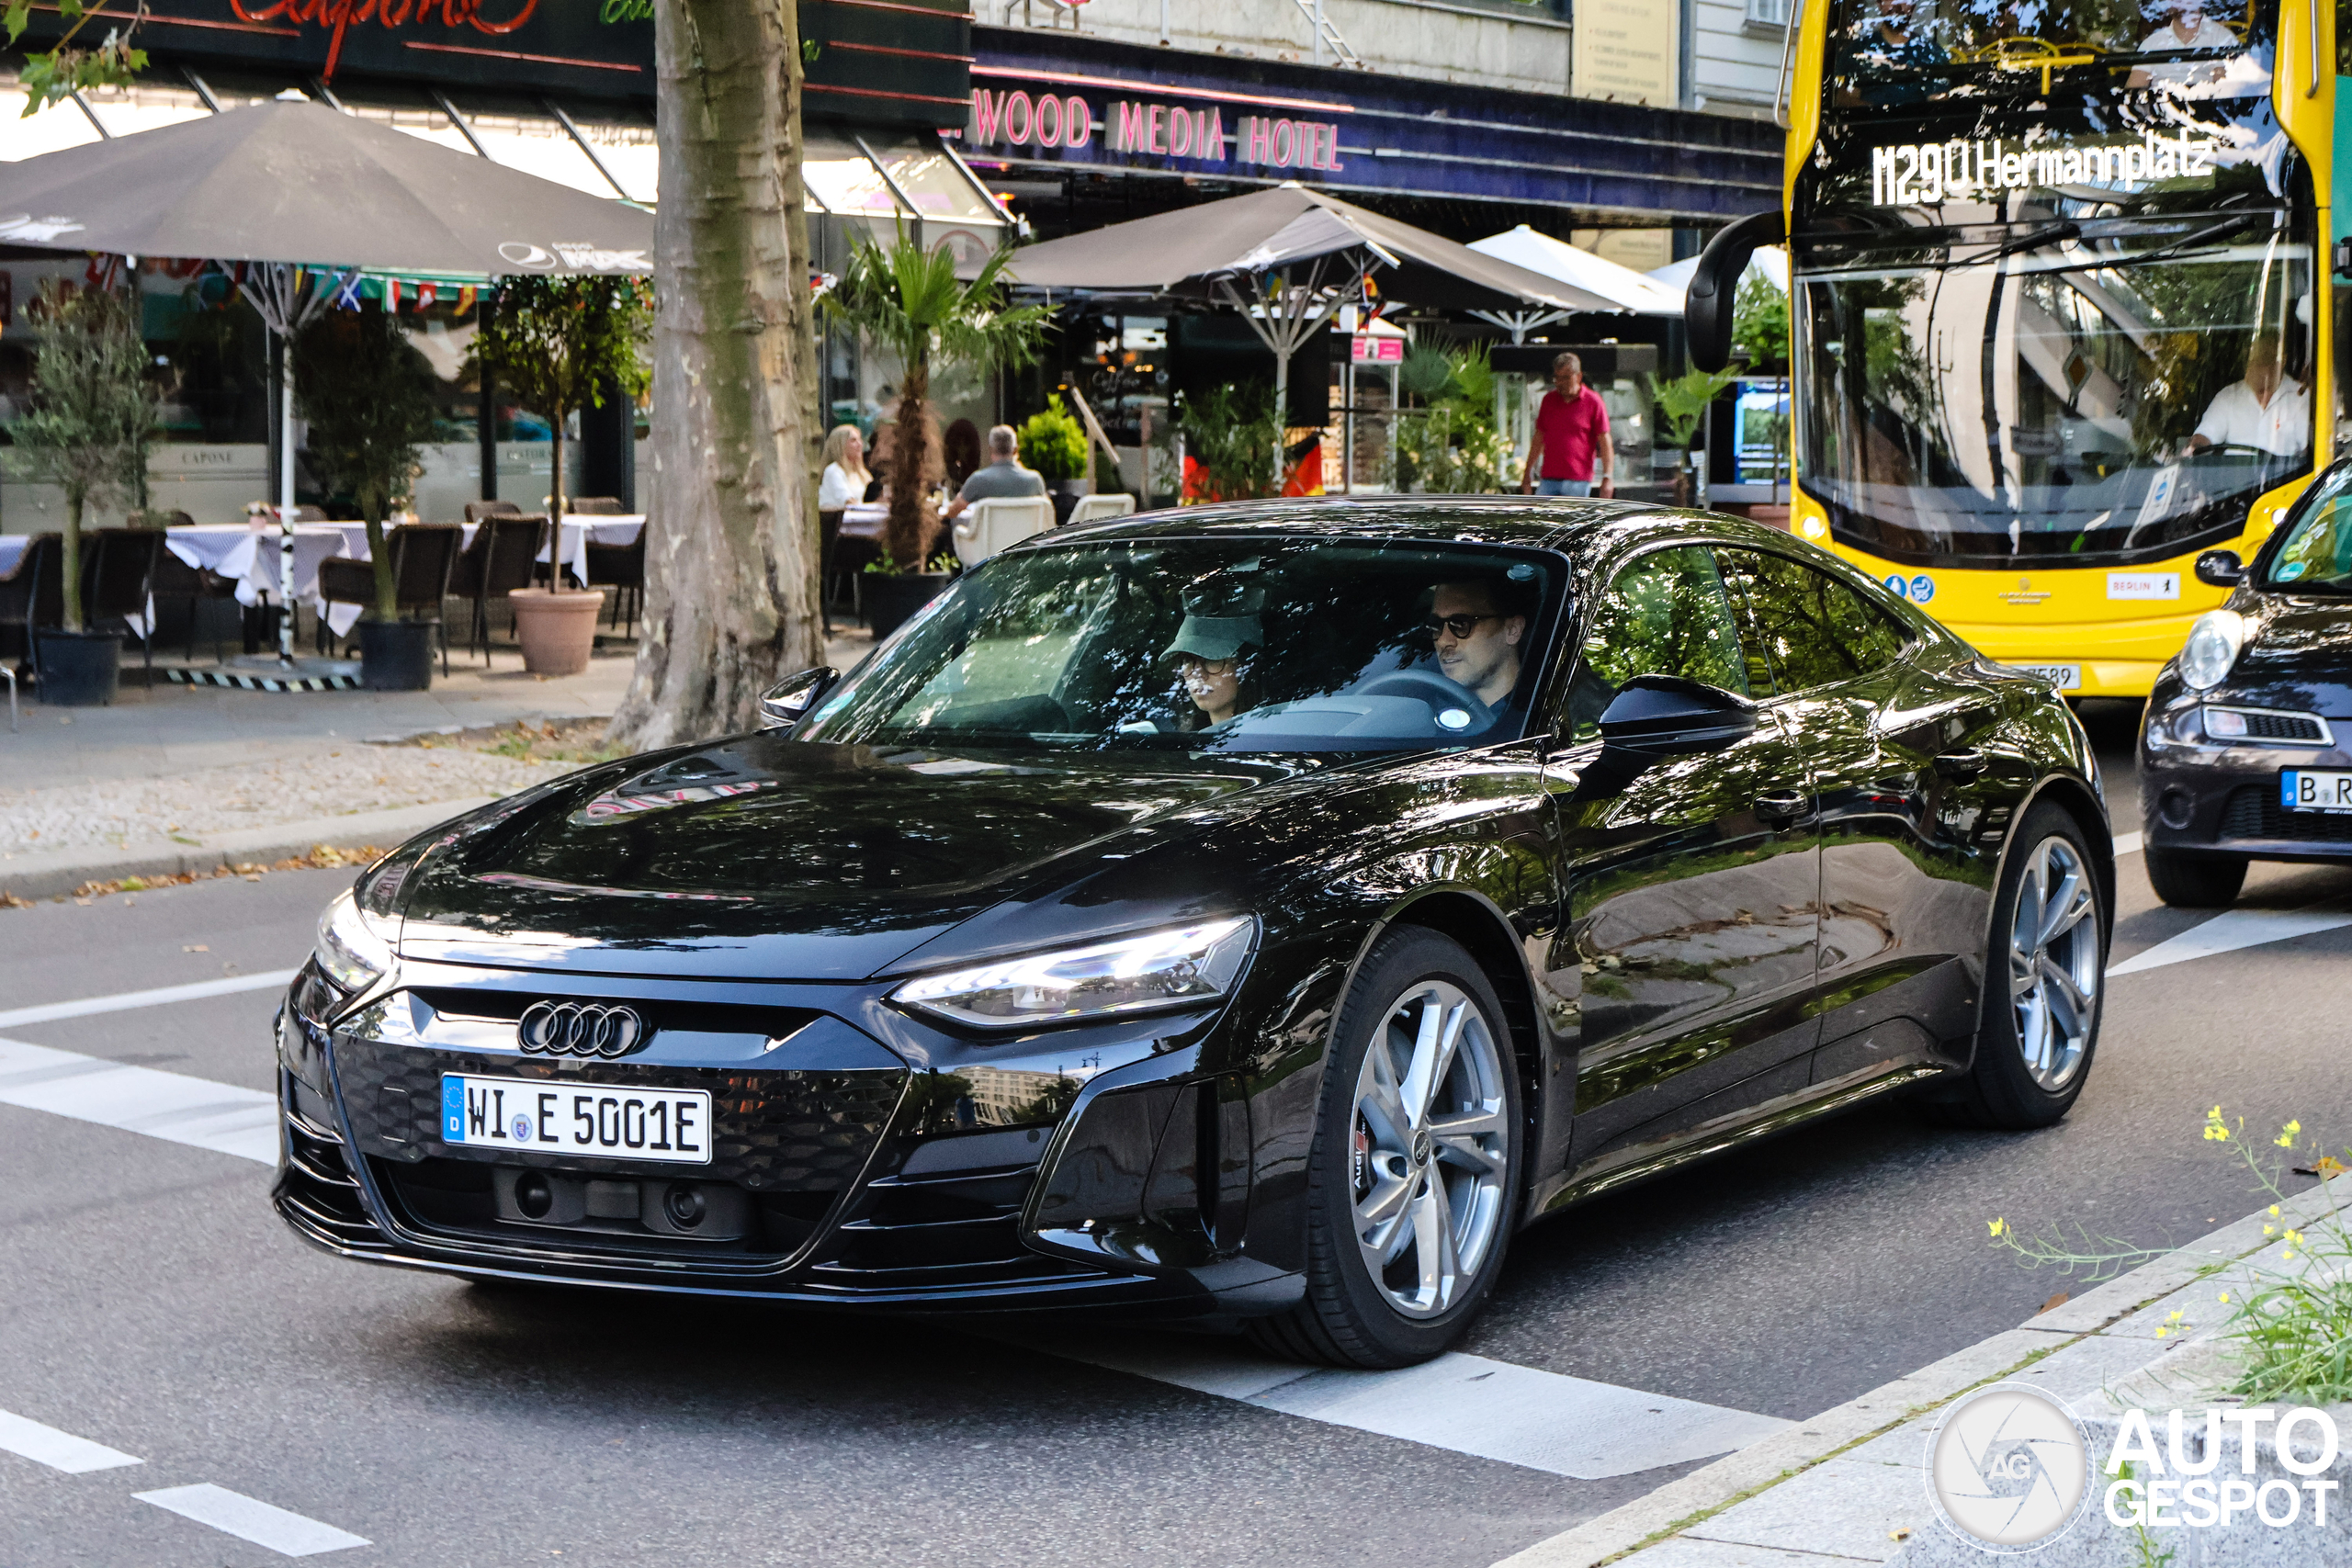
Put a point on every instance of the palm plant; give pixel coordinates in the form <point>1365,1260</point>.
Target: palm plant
<point>909,302</point>
<point>94,410</point>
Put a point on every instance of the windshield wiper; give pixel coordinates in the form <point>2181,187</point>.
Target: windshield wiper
<point>2050,235</point>
<point>2205,236</point>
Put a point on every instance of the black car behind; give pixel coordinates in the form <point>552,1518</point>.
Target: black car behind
<point>1256,913</point>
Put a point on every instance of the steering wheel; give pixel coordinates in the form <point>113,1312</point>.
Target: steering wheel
<point>1443,696</point>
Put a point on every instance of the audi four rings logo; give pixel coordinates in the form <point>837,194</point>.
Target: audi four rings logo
<point>581,1029</point>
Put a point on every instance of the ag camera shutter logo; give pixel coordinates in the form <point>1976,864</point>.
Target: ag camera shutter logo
<point>2008,1467</point>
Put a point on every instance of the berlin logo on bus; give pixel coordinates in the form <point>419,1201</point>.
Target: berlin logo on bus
<point>1924,173</point>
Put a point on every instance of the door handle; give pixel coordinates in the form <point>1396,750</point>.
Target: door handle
<point>1780,810</point>
<point>1962,766</point>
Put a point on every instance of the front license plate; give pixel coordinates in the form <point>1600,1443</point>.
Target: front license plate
<point>2065,677</point>
<point>668,1125</point>
<point>2301,789</point>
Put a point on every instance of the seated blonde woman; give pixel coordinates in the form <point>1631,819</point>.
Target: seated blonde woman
<point>845,479</point>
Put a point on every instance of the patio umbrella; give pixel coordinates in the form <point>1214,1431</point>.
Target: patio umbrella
<point>1300,255</point>
<point>1628,289</point>
<point>312,197</point>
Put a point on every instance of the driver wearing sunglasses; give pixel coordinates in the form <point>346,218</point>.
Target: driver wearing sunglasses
<point>1477,626</point>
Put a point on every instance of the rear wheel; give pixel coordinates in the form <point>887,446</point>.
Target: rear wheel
<point>2044,983</point>
<point>1413,1181</point>
<point>2195,881</point>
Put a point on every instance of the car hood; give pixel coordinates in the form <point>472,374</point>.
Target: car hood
<point>2298,655</point>
<point>763,857</point>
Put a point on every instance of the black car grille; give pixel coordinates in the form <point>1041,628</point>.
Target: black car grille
<point>318,1184</point>
<point>947,1230</point>
<point>2263,726</point>
<point>2255,812</point>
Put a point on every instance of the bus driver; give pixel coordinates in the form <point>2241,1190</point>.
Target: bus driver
<point>2268,411</point>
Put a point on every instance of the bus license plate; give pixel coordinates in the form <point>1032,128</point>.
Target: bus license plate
<point>2301,789</point>
<point>668,1125</point>
<point>2065,677</point>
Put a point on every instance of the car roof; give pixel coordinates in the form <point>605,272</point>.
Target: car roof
<point>1577,528</point>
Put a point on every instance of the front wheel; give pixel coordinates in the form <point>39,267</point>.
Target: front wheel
<point>2044,983</point>
<point>2195,881</point>
<point>1413,1182</point>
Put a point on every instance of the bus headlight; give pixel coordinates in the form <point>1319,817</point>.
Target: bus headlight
<point>2212,647</point>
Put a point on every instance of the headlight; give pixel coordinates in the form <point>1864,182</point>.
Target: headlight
<point>2212,647</point>
<point>1177,968</point>
<point>349,952</point>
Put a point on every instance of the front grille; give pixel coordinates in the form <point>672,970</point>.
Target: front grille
<point>463,1198</point>
<point>318,1184</point>
<point>2254,811</point>
<point>941,1227</point>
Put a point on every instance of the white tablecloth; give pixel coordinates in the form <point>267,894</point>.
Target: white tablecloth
<point>12,549</point>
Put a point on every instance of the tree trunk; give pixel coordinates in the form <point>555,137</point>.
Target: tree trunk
<point>907,532</point>
<point>555,482</point>
<point>71,564</point>
<point>379,556</point>
<point>732,557</point>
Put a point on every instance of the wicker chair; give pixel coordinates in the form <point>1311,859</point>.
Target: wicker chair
<point>622,569</point>
<point>478,510</point>
<point>424,555</point>
<point>595,506</point>
<point>118,572</point>
<point>502,558</point>
<point>32,595</point>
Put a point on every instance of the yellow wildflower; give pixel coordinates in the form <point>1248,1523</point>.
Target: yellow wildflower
<point>2160,1333</point>
<point>2225,1296</point>
<point>1996,1226</point>
<point>2274,1210</point>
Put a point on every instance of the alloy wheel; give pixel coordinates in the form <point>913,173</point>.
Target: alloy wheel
<point>2054,973</point>
<point>1429,1149</point>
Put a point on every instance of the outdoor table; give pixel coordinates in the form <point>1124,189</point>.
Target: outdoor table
<point>247,556</point>
<point>579,533</point>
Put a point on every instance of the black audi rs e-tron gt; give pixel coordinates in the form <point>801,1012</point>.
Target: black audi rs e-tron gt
<point>2240,756</point>
<point>1255,913</point>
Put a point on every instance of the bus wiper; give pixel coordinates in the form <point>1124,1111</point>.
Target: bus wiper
<point>2204,236</point>
<point>2049,235</point>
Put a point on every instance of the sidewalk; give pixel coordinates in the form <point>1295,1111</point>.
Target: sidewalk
<point>1849,1487</point>
<point>174,779</point>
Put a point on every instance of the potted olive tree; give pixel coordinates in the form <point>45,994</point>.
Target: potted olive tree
<point>908,302</point>
<point>1053,444</point>
<point>368,395</point>
<point>92,410</point>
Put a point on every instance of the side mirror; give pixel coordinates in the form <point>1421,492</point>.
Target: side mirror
<point>790,700</point>
<point>1667,716</point>
<point>2219,568</point>
<point>1707,307</point>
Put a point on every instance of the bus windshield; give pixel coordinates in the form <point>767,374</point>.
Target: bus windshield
<point>1890,53</point>
<point>2077,329</point>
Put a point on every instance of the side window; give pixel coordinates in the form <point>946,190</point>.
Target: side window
<point>1665,615</point>
<point>1738,568</point>
<point>1816,630</point>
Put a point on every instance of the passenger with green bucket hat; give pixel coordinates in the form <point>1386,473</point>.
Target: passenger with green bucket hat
<point>1211,651</point>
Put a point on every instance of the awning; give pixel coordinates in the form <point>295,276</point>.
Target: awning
<point>1624,288</point>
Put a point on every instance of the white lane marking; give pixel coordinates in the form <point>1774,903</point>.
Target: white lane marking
<point>2130,843</point>
<point>2233,928</point>
<point>124,1001</point>
<point>1464,1403</point>
<point>196,1111</point>
<point>249,1518</point>
<point>59,1450</point>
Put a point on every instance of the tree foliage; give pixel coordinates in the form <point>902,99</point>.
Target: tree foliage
<point>54,75</point>
<point>1451,446</point>
<point>92,411</point>
<point>907,301</point>
<point>1230,440</point>
<point>1053,442</point>
<point>1759,322</point>
<point>555,343</point>
<point>1682,402</point>
<point>368,395</point>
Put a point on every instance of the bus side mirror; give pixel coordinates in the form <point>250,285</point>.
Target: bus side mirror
<point>1706,309</point>
<point>2219,568</point>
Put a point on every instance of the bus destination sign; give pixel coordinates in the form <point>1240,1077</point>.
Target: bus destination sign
<point>1921,174</point>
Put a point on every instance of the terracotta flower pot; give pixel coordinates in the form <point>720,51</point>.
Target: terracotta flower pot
<point>557,630</point>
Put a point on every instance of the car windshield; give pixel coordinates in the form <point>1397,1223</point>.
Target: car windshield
<point>1237,645</point>
<point>2315,556</point>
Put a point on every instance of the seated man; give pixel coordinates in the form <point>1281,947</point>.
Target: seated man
<point>2267,410</point>
<point>1479,625</point>
<point>2190,28</point>
<point>1003,479</point>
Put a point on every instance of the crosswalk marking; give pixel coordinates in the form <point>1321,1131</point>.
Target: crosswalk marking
<point>250,1518</point>
<point>161,996</point>
<point>2234,929</point>
<point>1471,1405</point>
<point>171,1106</point>
<point>60,1450</point>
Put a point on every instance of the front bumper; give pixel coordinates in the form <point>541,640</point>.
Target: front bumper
<point>856,1157</point>
<point>2231,804</point>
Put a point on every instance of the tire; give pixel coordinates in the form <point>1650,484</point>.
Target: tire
<point>2044,987</point>
<point>2195,881</point>
<point>1380,1173</point>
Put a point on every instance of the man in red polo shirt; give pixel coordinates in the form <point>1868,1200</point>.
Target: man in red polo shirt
<point>1571,425</point>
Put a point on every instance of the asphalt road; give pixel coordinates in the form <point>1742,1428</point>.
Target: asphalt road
<point>151,1301</point>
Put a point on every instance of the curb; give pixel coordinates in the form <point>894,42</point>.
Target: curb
<point>1650,1520</point>
<point>55,875</point>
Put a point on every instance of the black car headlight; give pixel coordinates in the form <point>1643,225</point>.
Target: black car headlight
<point>351,952</point>
<point>1173,967</point>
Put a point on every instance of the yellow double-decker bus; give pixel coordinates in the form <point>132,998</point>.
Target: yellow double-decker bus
<point>2058,321</point>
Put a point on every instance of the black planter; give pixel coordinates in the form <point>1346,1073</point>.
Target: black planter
<point>890,598</point>
<point>79,670</point>
<point>396,656</point>
<point>1066,494</point>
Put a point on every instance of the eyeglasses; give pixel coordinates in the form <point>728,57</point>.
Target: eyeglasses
<point>1460,625</point>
